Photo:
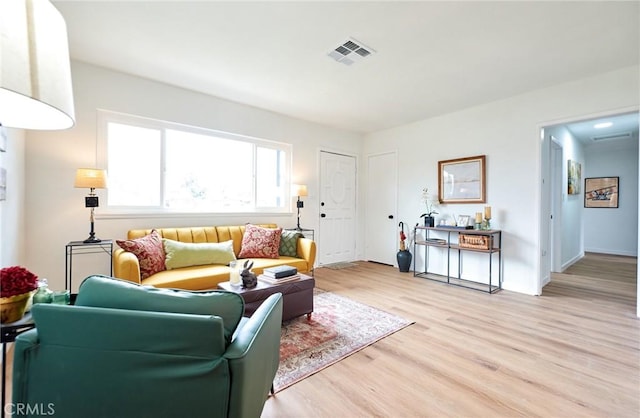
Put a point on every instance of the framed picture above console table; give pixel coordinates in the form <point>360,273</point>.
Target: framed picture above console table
<point>453,244</point>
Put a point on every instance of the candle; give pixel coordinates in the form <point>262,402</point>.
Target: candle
<point>487,212</point>
<point>234,273</point>
<point>478,217</point>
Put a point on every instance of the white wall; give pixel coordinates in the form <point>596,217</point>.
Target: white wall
<point>12,220</point>
<point>613,231</point>
<point>508,133</point>
<point>55,210</point>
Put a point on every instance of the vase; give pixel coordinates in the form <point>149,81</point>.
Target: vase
<point>13,307</point>
<point>429,221</point>
<point>43,294</point>
<point>404,260</point>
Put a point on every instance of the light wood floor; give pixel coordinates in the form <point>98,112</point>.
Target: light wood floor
<point>596,265</point>
<point>572,352</point>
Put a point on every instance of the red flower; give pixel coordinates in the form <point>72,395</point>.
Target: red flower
<point>16,281</point>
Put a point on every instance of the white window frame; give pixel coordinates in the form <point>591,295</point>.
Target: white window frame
<point>106,116</point>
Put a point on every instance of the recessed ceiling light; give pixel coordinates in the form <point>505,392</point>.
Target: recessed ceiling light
<point>602,125</point>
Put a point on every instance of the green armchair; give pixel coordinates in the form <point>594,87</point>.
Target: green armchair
<point>127,350</point>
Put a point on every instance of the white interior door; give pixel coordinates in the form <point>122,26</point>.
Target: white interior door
<point>382,236</point>
<point>337,228</point>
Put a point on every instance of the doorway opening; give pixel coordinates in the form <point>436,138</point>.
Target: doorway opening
<point>568,228</point>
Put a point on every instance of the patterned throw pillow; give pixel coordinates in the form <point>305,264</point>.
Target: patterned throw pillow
<point>258,242</point>
<point>149,251</point>
<point>289,243</point>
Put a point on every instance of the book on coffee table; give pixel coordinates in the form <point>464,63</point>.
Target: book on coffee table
<point>271,280</point>
<point>279,272</point>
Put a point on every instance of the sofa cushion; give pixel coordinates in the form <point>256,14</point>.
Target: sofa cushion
<point>108,292</point>
<point>289,243</point>
<point>190,278</point>
<point>258,242</point>
<point>149,251</point>
<point>185,254</point>
<point>208,277</point>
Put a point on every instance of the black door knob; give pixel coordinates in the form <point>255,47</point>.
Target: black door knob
<point>390,216</point>
<point>322,215</point>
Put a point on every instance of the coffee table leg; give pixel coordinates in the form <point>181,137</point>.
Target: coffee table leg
<point>309,316</point>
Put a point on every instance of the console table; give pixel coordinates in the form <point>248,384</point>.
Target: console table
<point>449,240</point>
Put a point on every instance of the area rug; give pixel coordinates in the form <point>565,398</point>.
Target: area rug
<point>341,265</point>
<point>338,328</point>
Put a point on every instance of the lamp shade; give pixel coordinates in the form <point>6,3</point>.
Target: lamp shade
<point>35,73</point>
<point>91,178</point>
<point>299,190</point>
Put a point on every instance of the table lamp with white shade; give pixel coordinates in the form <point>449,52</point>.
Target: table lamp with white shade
<point>92,179</point>
<point>299,190</point>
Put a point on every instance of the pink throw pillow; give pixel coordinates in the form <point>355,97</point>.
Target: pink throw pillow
<point>258,242</point>
<point>149,251</point>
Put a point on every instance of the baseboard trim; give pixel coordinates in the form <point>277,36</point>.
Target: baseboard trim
<point>611,252</point>
<point>572,261</point>
<point>546,280</point>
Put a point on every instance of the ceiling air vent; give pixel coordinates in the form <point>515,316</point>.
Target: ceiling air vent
<point>350,52</point>
<point>620,135</point>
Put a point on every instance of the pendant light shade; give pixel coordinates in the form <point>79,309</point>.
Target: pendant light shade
<point>35,73</point>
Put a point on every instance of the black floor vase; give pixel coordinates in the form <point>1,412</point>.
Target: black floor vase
<point>404,260</point>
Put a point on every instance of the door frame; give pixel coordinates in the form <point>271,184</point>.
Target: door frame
<point>542,221</point>
<point>556,164</point>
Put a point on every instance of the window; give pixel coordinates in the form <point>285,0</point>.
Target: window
<point>156,166</point>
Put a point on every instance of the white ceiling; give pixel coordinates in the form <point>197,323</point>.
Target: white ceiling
<point>623,129</point>
<point>431,57</point>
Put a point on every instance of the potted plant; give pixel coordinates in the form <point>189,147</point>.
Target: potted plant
<point>16,287</point>
<point>430,205</point>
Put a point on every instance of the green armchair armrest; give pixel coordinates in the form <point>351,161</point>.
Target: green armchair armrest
<point>254,357</point>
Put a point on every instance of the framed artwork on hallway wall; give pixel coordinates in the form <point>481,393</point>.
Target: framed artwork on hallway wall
<point>3,139</point>
<point>574,177</point>
<point>3,184</point>
<point>601,192</point>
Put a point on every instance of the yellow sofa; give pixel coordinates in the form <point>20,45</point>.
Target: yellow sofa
<point>127,267</point>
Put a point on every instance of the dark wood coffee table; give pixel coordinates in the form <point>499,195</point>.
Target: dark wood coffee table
<point>297,296</point>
